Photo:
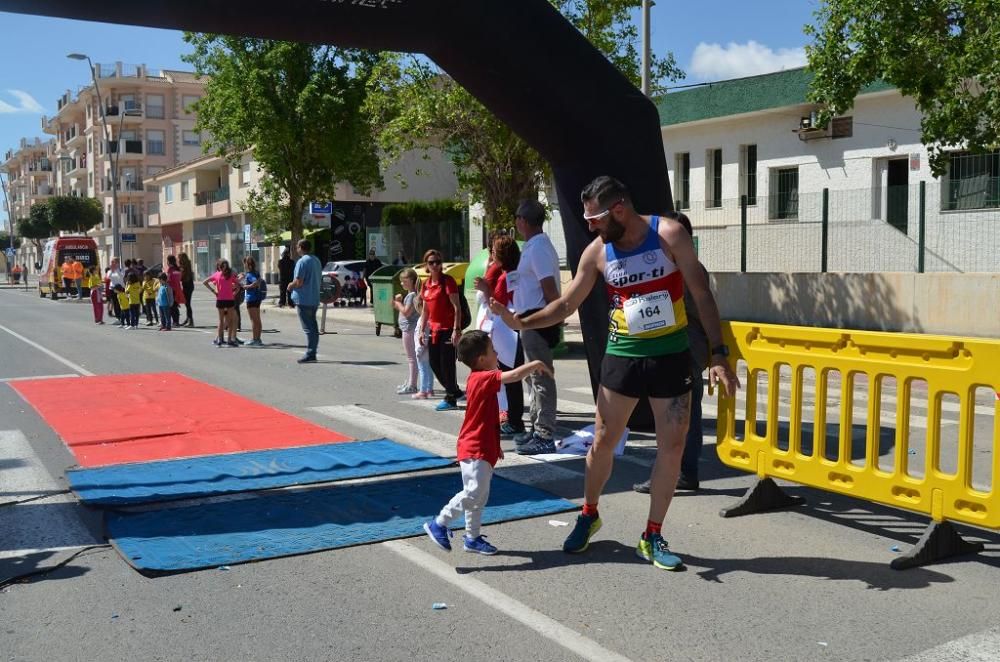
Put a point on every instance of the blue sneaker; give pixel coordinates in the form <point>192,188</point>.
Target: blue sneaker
<point>478,545</point>
<point>654,548</point>
<point>536,446</point>
<point>579,538</point>
<point>444,405</point>
<point>439,534</point>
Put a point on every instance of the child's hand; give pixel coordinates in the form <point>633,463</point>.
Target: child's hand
<point>541,368</point>
<point>398,297</point>
<point>501,454</point>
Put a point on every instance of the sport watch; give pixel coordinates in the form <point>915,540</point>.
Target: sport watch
<point>721,350</point>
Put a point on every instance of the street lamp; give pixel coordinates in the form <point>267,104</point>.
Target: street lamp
<point>646,5</point>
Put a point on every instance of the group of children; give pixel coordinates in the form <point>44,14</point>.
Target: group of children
<point>150,295</point>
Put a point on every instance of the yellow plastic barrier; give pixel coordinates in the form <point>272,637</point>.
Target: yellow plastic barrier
<point>948,365</point>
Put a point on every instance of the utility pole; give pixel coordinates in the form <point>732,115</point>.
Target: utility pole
<point>646,5</point>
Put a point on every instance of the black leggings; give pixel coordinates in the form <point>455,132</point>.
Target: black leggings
<point>515,393</point>
<point>442,357</point>
<point>188,292</point>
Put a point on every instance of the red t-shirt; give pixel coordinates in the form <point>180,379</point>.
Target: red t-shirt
<point>479,437</point>
<point>500,291</point>
<point>492,274</point>
<point>436,296</point>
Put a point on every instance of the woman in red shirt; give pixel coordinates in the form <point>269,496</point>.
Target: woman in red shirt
<point>438,317</point>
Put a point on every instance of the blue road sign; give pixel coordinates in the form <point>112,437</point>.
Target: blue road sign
<point>9,252</point>
<point>128,238</point>
<point>320,207</point>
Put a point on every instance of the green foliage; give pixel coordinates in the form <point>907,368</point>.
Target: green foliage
<point>297,108</point>
<point>415,213</point>
<point>5,240</point>
<point>68,213</point>
<point>413,105</point>
<point>940,52</point>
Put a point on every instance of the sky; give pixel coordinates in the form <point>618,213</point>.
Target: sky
<point>710,41</point>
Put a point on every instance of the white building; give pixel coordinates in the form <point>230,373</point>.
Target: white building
<point>756,137</point>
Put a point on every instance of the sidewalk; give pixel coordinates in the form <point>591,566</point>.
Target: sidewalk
<point>365,317</point>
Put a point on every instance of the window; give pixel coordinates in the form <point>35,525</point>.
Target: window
<point>90,180</point>
<point>155,142</point>
<point>244,174</point>
<point>842,127</point>
<point>748,173</point>
<point>130,216</point>
<point>191,138</point>
<point>152,208</point>
<point>185,190</point>
<point>972,181</point>
<point>682,175</point>
<point>187,101</point>
<point>152,171</point>
<point>784,194</point>
<point>713,178</point>
<point>168,193</point>
<point>154,106</point>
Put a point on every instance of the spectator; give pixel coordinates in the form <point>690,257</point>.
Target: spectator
<point>441,315</point>
<point>66,275</point>
<point>223,284</point>
<point>174,278</point>
<point>304,290</point>
<point>78,274</point>
<point>372,264</point>
<point>254,289</point>
<point>187,287</point>
<point>400,260</point>
<point>408,316</point>
<point>286,265</point>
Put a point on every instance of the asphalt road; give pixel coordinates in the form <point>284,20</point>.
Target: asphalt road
<point>812,583</point>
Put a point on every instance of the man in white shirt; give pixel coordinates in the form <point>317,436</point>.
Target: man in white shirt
<point>535,284</point>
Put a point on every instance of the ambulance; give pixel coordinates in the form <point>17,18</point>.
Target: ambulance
<point>81,249</point>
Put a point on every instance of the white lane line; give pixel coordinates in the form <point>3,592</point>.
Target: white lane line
<point>66,362</point>
<point>978,647</point>
<point>46,525</point>
<point>23,379</point>
<point>531,618</point>
<point>441,443</point>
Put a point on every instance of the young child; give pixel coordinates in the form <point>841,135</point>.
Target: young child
<point>164,301</point>
<point>122,299</point>
<point>478,441</point>
<point>96,286</point>
<point>408,317</point>
<point>149,288</point>
<point>133,291</point>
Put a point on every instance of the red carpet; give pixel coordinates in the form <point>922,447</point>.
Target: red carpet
<point>137,418</point>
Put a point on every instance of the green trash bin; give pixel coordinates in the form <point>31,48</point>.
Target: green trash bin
<point>386,285</point>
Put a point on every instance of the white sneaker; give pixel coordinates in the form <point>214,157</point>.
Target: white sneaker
<point>406,390</point>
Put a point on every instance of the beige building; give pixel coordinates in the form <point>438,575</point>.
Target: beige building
<point>200,209</point>
<point>151,124</point>
<point>29,169</point>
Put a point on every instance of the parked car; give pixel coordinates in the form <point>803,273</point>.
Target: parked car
<point>349,275</point>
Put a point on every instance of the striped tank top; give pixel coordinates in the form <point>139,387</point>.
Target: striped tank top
<point>645,300</point>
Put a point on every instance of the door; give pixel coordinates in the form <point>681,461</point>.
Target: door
<point>897,194</point>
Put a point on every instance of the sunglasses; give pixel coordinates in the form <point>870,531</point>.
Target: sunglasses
<point>429,262</point>
<point>601,214</point>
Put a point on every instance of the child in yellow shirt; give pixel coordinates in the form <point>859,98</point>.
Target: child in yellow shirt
<point>149,287</point>
<point>122,298</point>
<point>133,291</point>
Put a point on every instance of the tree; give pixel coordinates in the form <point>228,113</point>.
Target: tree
<point>413,105</point>
<point>296,107</point>
<point>36,226</point>
<point>940,52</point>
<point>5,240</point>
<point>68,213</point>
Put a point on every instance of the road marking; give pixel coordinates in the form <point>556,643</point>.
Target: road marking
<point>549,628</point>
<point>80,369</point>
<point>46,525</point>
<point>978,647</point>
<point>22,379</point>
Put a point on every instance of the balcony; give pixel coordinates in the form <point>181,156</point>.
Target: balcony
<point>77,167</point>
<point>207,197</point>
<point>212,203</point>
<point>130,111</point>
<point>125,185</point>
<point>41,168</point>
<point>126,149</point>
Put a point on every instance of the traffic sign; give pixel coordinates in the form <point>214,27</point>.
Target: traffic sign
<point>320,207</point>
<point>9,252</point>
<point>128,238</point>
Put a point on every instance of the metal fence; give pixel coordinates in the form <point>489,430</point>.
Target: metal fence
<point>905,228</point>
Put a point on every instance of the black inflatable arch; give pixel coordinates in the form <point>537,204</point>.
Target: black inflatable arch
<point>521,58</point>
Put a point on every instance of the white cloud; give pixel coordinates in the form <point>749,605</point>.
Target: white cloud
<point>25,103</point>
<point>716,62</point>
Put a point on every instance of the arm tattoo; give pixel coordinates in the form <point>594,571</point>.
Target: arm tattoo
<point>679,409</point>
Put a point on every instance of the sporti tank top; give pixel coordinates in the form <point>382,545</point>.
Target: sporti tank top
<point>645,300</point>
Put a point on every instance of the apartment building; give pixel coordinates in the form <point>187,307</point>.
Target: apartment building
<point>200,211</point>
<point>152,128</point>
<point>29,169</point>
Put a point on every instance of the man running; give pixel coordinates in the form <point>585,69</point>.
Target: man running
<point>645,261</point>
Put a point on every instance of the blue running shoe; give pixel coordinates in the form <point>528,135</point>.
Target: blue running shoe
<point>579,538</point>
<point>444,405</point>
<point>478,545</point>
<point>536,446</point>
<point>439,534</point>
<point>654,548</point>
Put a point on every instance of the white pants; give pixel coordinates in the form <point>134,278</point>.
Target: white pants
<point>476,477</point>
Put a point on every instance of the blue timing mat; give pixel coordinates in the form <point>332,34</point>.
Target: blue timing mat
<point>278,524</point>
<point>243,472</point>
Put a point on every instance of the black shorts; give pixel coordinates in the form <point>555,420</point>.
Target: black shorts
<point>254,304</point>
<point>224,304</point>
<point>666,376</point>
